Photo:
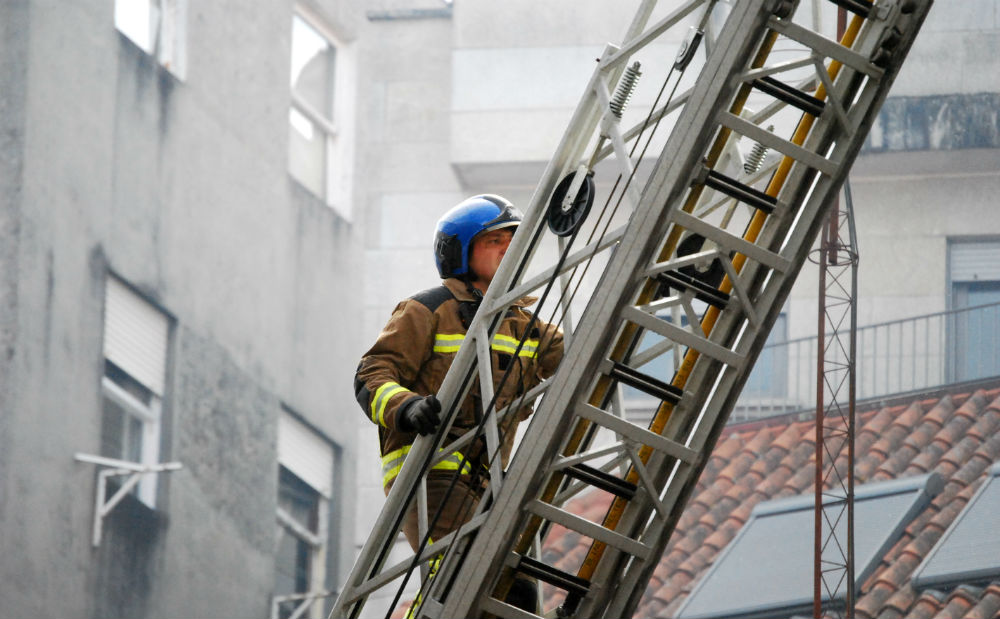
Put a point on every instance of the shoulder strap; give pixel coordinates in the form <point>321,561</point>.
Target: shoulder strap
<point>432,298</point>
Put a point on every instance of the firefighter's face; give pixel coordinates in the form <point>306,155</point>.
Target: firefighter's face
<point>485,254</point>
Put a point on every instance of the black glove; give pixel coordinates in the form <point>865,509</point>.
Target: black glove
<point>419,415</point>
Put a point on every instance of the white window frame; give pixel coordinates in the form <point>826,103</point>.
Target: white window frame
<point>339,131</point>
<point>149,416</point>
<point>318,542</point>
<point>150,328</point>
<point>164,34</point>
<point>295,441</point>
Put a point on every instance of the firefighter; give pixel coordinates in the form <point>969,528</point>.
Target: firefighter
<point>397,379</point>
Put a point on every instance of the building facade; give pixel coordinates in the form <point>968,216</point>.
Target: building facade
<point>178,259</point>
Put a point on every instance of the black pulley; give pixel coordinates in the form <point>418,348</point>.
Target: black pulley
<point>564,220</point>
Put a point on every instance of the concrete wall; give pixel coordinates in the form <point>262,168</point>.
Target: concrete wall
<point>110,163</point>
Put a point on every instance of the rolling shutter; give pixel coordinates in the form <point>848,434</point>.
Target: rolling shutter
<point>975,261</point>
<point>305,453</point>
<point>135,335</point>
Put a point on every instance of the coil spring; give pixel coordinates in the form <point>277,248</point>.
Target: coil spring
<point>625,88</point>
<point>756,157</point>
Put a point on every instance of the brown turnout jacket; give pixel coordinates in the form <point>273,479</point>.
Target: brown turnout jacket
<point>413,354</point>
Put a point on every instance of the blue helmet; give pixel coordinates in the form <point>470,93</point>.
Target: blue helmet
<point>458,226</point>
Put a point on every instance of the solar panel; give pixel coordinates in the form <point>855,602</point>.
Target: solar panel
<point>767,569</point>
<point>969,551</point>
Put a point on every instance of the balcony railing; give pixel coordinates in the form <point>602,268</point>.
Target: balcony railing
<point>893,357</point>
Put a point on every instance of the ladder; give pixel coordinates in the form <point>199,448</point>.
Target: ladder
<point>698,272</point>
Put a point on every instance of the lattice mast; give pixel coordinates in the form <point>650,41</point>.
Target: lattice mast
<point>699,269</point>
<point>833,567</point>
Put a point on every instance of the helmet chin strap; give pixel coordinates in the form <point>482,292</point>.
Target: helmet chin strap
<point>467,309</point>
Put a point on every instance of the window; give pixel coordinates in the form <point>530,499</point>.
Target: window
<point>319,147</point>
<point>135,350</point>
<point>305,483</point>
<point>975,333</point>
<point>969,551</point>
<point>767,570</point>
<point>157,27</point>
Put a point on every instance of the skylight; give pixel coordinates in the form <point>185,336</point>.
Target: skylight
<point>969,551</point>
<point>767,570</point>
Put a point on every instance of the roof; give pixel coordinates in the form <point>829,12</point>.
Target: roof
<point>955,435</point>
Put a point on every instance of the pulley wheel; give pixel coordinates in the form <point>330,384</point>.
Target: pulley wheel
<point>564,220</point>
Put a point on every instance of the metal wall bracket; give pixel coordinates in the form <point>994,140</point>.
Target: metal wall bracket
<point>112,467</point>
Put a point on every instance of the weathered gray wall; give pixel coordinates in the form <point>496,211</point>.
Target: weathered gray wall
<point>13,50</point>
<point>109,162</point>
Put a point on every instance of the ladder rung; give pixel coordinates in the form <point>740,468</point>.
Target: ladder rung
<point>792,96</point>
<point>825,47</point>
<point>599,479</point>
<point>702,291</point>
<point>742,192</point>
<point>680,335</point>
<point>589,529</point>
<point>638,434</point>
<point>858,7</point>
<point>645,383</point>
<point>554,576</point>
<point>731,243</point>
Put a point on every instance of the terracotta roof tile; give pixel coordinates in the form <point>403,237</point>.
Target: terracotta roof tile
<point>673,589</point>
<point>868,606</point>
<point>722,454</point>
<point>986,425</point>
<point>896,463</point>
<point>927,605</point>
<point>901,600</point>
<point>958,603</point>
<point>973,405</point>
<point>941,411</point>
<point>994,398</point>
<point>711,495</point>
<point>723,535</point>
<point>742,461</point>
<point>789,439</point>
<point>988,606</point>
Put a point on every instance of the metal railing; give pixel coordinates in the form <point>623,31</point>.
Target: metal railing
<point>893,357</point>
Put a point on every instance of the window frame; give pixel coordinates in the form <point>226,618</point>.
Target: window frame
<point>964,278</point>
<point>166,32</point>
<point>148,414</point>
<point>320,540</point>
<point>337,131</point>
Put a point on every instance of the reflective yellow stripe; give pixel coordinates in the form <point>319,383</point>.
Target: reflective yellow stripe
<point>382,396</point>
<point>393,461</point>
<point>448,343</point>
<point>505,343</point>
<point>434,564</point>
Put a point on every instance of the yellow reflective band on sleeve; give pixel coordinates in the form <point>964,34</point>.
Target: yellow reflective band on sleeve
<point>448,342</point>
<point>508,344</point>
<point>392,462</point>
<point>382,396</point>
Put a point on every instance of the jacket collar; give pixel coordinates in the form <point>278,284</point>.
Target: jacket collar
<point>460,289</point>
